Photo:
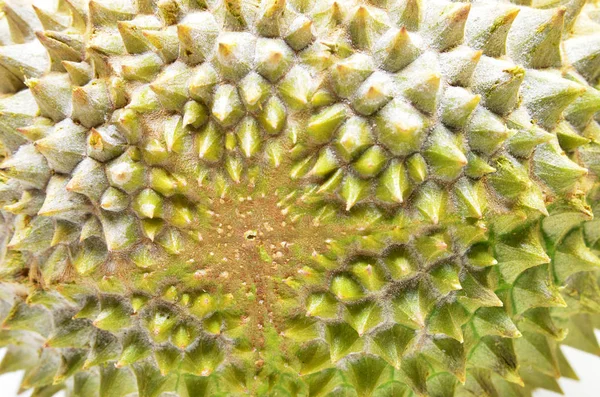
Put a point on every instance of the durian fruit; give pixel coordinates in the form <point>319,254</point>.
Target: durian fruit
<point>298,198</point>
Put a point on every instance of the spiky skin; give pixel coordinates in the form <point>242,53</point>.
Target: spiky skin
<point>298,198</point>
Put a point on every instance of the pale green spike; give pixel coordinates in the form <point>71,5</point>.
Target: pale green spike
<point>345,288</point>
<point>65,147</point>
<point>448,320</point>
<point>353,190</point>
<point>400,128</point>
<point>477,167</point>
<point>329,15</point>
<point>420,83</point>
<point>273,116</point>
<point>295,87</point>
<point>268,22</point>
<point>62,203</point>
<point>459,64</point>
<point>88,179</point>
<point>27,165</point>
<point>16,111</point>
<point>528,135</point>
<point>518,253</point>
<point>164,42</point>
<point>434,247</point>
<point>91,103</point>
<point>273,58</point>
<point>143,67</point>
<point>546,95</point>
<point>353,137</point>
<point>125,172</point>
<point>393,186</point>
<point>486,132</point>
<point>65,233</point>
<point>62,47</point>
<point>132,32</point>
<point>254,90</point>
<point>497,354</point>
<point>43,373</point>
<point>210,143</point>
<point>555,169</point>
<point>395,50</point>
<point>51,21</point>
<point>322,126</point>
<point>31,234</point>
<point>120,230</point>
<point>163,182</point>
<point>332,183</point>
<point>445,278</point>
<point>582,110</point>
<point>25,60</point>
<point>488,27</point>
<point>21,20</point>
<point>227,107</point>
<point>495,321</point>
<point>105,13</point>
<point>9,82</point>
<point>373,94</point>
<point>91,254</point>
<point>431,202</point>
<point>537,350</point>
<point>169,11</point>
<point>534,288</point>
<point>406,13</point>
<point>116,381</point>
<point>446,24</point>
<point>535,39</point>
<point>135,347</point>
<point>197,35</point>
<point>348,74</point>
<point>470,198</point>
<point>202,82</point>
<point>582,52</point>
<point>171,86</point>
<point>105,143</point>
<point>533,199</point>
<point>234,167</point>
<point>53,95</point>
<point>248,135</point>
<point>194,114</point>
<point>101,45</point>
<point>510,179</point>
<point>498,82</point>
<point>326,164</point>
<point>174,134</point>
<point>457,105</point>
<point>91,228</point>
<point>417,168</point>
<point>572,256</point>
<point>371,162</point>
<point>80,73</point>
<point>79,13</point>
<point>444,155</point>
<point>300,33</point>
<point>568,138</point>
<point>366,25</point>
<point>234,54</point>
<point>114,200</point>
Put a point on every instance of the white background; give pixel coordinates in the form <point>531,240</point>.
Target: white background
<point>585,365</point>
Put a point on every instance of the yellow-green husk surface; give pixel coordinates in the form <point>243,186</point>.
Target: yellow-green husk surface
<point>298,197</point>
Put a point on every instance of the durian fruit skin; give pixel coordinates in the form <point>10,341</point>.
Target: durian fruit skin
<point>298,197</point>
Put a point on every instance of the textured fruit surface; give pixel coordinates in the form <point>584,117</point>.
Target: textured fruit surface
<point>298,198</point>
